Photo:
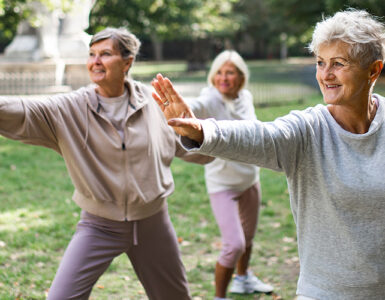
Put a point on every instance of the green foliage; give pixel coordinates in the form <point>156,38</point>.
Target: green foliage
<point>12,12</point>
<point>166,18</point>
<point>375,7</point>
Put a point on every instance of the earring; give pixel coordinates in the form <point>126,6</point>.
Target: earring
<point>369,81</point>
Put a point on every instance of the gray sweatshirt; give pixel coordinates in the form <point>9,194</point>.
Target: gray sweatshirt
<point>337,193</point>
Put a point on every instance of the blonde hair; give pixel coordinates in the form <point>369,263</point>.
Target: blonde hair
<point>364,32</point>
<point>233,57</point>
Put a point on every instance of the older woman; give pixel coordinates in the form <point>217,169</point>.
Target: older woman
<point>118,149</point>
<point>233,187</point>
<point>333,157</point>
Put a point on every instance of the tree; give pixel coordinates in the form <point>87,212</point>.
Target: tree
<point>375,7</point>
<point>160,20</point>
<point>12,12</point>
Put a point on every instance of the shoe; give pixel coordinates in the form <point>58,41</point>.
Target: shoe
<point>249,284</point>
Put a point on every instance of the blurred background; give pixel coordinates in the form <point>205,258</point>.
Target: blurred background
<point>44,43</point>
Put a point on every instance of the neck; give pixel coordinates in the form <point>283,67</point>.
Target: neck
<point>354,119</point>
<point>111,91</point>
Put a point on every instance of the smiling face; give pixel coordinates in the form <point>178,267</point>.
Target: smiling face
<point>228,80</point>
<point>341,79</point>
<point>106,66</point>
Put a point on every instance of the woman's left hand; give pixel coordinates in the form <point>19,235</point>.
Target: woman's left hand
<point>177,112</point>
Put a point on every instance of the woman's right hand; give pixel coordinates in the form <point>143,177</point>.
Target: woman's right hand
<point>177,112</point>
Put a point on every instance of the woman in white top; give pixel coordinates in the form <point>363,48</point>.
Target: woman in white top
<point>233,187</point>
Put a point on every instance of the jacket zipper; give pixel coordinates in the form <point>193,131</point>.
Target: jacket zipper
<point>125,200</point>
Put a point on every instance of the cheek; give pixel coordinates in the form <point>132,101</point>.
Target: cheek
<point>89,65</point>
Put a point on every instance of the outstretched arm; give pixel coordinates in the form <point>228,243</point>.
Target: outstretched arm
<point>177,112</point>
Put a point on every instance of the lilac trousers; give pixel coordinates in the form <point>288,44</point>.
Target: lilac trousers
<point>150,244</point>
<point>237,216</point>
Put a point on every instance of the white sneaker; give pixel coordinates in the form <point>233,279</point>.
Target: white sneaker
<point>249,285</point>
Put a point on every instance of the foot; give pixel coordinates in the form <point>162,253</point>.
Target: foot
<point>249,284</point>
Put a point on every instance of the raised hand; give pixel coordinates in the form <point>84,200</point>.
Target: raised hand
<point>177,112</point>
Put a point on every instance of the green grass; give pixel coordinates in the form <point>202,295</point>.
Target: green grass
<point>37,220</point>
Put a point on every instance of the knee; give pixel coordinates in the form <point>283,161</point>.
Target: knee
<point>231,253</point>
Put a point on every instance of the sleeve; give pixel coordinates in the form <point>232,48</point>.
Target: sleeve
<point>276,145</point>
<point>29,121</point>
<point>192,157</point>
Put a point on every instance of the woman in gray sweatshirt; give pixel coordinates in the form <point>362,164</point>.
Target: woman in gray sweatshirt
<point>333,156</point>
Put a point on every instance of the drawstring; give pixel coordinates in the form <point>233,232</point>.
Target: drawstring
<point>87,128</point>
<point>149,134</point>
<point>135,232</point>
<point>87,123</point>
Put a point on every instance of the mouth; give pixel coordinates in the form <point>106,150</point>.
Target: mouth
<point>332,86</point>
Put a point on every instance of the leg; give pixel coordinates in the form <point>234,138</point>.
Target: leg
<point>249,204</point>
<point>157,260</point>
<point>222,278</point>
<point>85,260</point>
<point>225,209</point>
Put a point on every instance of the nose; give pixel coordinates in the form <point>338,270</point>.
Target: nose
<point>327,73</point>
<point>95,59</point>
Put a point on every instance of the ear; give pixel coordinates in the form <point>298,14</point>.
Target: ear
<point>375,70</point>
<point>128,64</point>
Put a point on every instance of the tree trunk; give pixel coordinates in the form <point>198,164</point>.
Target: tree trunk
<point>157,46</point>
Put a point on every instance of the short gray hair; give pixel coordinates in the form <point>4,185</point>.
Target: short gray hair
<point>364,32</point>
<point>126,42</point>
<point>231,56</point>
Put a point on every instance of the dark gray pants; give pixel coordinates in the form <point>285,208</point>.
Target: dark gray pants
<point>150,244</point>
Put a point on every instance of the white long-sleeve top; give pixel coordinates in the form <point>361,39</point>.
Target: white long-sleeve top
<point>224,174</point>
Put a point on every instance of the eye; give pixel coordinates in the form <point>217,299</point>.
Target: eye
<point>320,63</point>
<point>91,54</point>
<point>338,64</point>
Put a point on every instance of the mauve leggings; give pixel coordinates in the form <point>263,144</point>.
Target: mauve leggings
<point>237,216</point>
<point>150,244</point>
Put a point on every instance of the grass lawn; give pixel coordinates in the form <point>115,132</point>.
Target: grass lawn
<point>38,218</point>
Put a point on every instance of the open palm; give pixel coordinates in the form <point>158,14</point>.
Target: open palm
<point>177,112</point>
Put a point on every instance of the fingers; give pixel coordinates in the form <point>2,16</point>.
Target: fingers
<point>188,127</point>
<point>165,89</point>
<point>159,91</point>
<point>158,100</point>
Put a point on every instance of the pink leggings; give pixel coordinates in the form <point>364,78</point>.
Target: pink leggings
<point>150,244</point>
<point>237,216</point>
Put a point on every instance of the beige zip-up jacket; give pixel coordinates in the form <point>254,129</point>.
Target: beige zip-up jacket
<point>116,179</point>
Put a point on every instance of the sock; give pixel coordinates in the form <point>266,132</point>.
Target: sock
<point>241,277</point>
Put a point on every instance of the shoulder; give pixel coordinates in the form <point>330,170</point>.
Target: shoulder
<point>245,93</point>
<point>210,92</point>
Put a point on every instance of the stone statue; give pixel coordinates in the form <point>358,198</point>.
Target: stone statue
<point>56,34</point>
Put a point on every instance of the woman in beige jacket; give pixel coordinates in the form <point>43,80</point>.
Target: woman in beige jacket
<point>118,149</point>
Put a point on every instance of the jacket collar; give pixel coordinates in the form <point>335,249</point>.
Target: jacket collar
<point>137,97</point>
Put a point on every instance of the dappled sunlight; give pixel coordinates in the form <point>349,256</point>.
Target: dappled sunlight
<point>24,219</point>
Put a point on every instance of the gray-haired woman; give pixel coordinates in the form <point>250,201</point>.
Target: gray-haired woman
<point>234,188</point>
<point>118,149</point>
<point>333,157</point>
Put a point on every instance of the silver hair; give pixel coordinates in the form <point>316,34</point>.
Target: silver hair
<point>126,42</point>
<point>364,32</point>
<point>231,56</point>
